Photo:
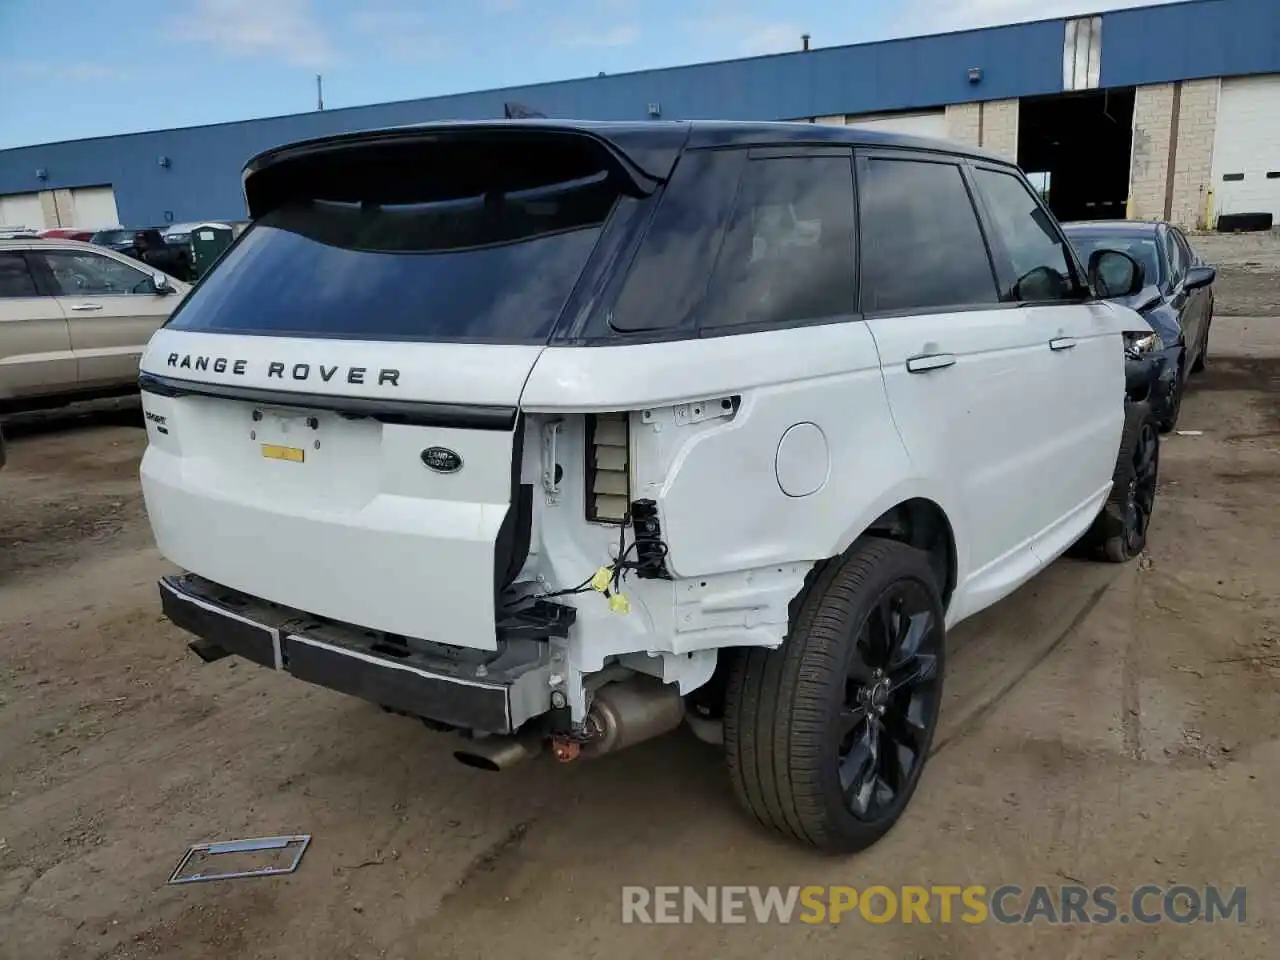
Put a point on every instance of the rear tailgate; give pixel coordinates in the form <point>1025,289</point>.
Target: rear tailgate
<point>332,503</point>
<point>332,412</point>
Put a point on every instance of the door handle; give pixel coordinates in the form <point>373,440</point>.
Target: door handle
<point>1062,343</point>
<point>86,307</point>
<point>933,361</point>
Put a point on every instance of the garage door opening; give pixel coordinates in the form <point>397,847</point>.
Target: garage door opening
<point>1077,145</point>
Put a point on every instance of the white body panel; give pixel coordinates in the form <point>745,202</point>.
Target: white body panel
<point>1020,466</point>
<point>706,415</point>
<point>360,531</point>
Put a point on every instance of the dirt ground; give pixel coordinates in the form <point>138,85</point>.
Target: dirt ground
<point>1105,724</point>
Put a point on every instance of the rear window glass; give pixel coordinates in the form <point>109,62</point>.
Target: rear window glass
<point>498,265</point>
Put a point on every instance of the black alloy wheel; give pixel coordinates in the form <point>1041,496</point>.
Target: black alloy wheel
<point>891,702</point>
<point>1119,532</point>
<point>826,736</point>
<point>1141,497</point>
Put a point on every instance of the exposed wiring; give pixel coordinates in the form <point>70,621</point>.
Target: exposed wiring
<point>609,579</point>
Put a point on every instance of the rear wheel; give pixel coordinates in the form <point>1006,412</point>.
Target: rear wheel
<point>1120,531</point>
<point>1203,354</point>
<point>826,737</point>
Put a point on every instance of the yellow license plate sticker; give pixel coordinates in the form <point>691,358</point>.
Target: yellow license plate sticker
<point>273,451</point>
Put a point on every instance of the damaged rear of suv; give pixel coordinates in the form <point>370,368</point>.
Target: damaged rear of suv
<point>556,435</point>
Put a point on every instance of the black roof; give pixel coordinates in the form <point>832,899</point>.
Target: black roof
<point>651,145</point>
<point>1132,228</point>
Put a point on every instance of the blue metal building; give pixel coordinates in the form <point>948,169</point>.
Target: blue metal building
<point>1192,77</point>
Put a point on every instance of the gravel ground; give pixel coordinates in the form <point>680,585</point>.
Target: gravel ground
<point>1105,724</point>
<point>1248,271</point>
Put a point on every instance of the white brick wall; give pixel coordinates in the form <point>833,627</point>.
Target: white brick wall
<point>1193,159</point>
<point>992,125</point>
<point>1193,164</point>
<point>962,123</point>
<point>1152,116</point>
<point>1000,128</point>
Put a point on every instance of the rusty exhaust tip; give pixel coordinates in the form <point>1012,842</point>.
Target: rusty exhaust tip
<point>566,751</point>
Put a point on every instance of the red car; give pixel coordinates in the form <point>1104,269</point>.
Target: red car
<point>66,233</point>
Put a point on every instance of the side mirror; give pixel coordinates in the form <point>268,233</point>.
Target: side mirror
<point>1115,274</point>
<point>161,283</point>
<point>1198,277</point>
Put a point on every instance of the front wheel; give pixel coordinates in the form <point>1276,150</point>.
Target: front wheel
<point>1120,531</point>
<point>1174,404</point>
<point>826,736</point>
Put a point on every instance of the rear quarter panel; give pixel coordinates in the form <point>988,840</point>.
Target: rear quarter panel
<point>716,481</point>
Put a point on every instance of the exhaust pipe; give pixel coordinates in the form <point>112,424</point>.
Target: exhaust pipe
<point>629,712</point>
<point>206,651</point>
<point>499,753</point>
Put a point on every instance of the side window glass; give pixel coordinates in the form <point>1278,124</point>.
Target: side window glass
<point>15,277</point>
<point>922,248</point>
<point>787,254</point>
<point>80,274</point>
<point>1188,257</point>
<point>1173,253</point>
<point>1041,266</point>
<point>668,276</point>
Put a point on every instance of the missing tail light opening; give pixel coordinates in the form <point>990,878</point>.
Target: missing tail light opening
<point>608,488</point>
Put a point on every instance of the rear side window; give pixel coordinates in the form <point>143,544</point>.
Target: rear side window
<point>15,277</point>
<point>922,248</point>
<point>787,254</point>
<point>1040,268</point>
<point>668,277</point>
<point>486,263</point>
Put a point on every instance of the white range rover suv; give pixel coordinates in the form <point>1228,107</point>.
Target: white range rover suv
<point>559,434</point>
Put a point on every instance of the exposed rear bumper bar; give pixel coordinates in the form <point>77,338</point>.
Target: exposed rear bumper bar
<point>344,659</point>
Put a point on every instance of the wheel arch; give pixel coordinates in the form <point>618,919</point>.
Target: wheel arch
<point>915,518</point>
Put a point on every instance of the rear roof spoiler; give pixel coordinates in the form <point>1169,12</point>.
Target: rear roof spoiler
<point>645,153</point>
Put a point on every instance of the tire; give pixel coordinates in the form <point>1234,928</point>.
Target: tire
<point>796,716</point>
<point>1175,402</point>
<point>1119,533</point>
<point>1203,355</point>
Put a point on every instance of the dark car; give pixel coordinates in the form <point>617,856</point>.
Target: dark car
<point>148,245</point>
<point>1177,300</point>
<point>119,239</point>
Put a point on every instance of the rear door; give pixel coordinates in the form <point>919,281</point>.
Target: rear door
<point>35,343</point>
<point>112,309</point>
<point>1074,349</point>
<point>961,367</point>
<point>1193,305</point>
<point>333,412</point>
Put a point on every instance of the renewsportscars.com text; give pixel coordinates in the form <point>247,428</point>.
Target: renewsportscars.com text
<point>974,904</point>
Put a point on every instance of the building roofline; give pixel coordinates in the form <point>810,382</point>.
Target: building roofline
<point>543,84</point>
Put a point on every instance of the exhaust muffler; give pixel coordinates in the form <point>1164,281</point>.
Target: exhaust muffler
<point>626,713</point>
<point>621,715</point>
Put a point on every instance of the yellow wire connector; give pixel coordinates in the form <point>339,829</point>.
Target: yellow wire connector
<point>619,603</point>
<point>601,579</point>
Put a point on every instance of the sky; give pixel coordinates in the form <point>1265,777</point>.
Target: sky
<point>81,68</point>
